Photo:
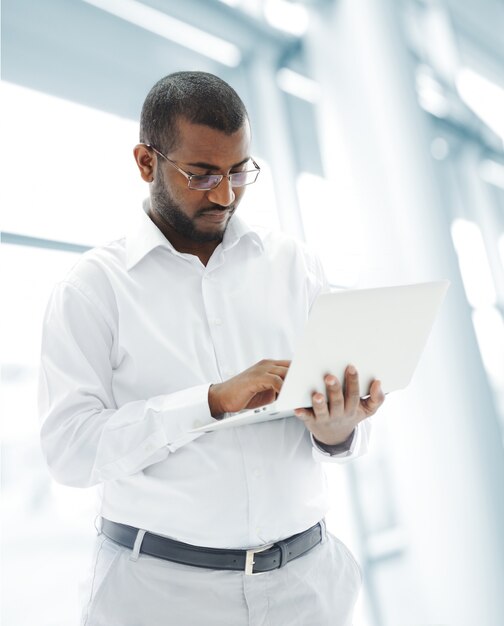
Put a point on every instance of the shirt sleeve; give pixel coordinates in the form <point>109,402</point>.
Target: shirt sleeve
<point>358,447</point>
<point>86,439</point>
<point>318,282</point>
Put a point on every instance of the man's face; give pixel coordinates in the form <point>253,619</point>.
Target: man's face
<point>200,216</point>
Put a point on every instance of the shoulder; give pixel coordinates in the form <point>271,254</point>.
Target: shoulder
<point>96,264</point>
<point>294,260</point>
<point>277,243</point>
<point>95,276</point>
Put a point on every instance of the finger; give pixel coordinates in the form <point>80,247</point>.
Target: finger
<point>375,400</point>
<point>279,371</point>
<point>272,381</point>
<point>320,407</point>
<point>281,363</point>
<point>352,395</point>
<point>268,364</point>
<point>334,394</point>
<point>305,415</point>
<point>261,398</point>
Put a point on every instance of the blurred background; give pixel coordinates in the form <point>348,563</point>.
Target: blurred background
<point>379,126</point>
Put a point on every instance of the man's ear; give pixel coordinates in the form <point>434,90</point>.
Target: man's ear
<point>146,161</point>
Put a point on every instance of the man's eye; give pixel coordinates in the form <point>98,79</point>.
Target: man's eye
<point>204,182</point>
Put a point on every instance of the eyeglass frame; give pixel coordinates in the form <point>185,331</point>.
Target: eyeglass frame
<point>190,176</point>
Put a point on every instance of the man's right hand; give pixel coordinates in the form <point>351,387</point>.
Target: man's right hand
<point>256,386</point>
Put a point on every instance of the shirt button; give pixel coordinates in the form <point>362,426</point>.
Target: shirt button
<point>218,321</point>
<point>257,473</point>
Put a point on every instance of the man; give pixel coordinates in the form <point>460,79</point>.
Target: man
<point>193,316</point>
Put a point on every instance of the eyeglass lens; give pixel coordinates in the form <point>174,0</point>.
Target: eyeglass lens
<point>238,179</point>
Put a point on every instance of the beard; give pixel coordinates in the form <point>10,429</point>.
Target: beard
<point>172,213</point>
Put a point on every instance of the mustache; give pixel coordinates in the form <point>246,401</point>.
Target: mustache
<point>217,207</point>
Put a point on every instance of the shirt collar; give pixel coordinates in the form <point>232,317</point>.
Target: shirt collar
<point>238,229</point>
<point>146,237</point>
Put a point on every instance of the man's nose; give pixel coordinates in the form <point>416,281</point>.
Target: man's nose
<point>223,194</point>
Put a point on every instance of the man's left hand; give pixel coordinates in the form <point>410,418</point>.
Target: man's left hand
<point>333,417</point>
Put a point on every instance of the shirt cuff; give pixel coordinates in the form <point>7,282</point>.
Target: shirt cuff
<point>358,446</point>
<point>338,448</point>
<point>181,412</point>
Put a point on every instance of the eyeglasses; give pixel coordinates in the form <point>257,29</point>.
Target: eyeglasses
<point>205,182</point>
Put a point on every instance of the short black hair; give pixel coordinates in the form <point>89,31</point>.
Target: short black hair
<point>199,97</point>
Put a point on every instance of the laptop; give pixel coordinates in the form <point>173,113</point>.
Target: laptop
<point>382,331</point>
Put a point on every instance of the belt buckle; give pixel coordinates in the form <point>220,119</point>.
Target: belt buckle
<point>249,559</point>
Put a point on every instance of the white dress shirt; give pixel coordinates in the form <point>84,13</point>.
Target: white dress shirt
<point>133,338</point>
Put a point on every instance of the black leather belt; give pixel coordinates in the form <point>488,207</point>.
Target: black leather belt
<point>253,561</point>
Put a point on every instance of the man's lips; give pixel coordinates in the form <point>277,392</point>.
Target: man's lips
<point>217,215</point>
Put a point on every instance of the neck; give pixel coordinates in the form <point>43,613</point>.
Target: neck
<point>203,250</point>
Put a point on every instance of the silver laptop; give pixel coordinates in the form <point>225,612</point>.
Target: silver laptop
<point>382,331</point>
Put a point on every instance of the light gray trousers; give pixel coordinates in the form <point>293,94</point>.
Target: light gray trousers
<point>128,589</point>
